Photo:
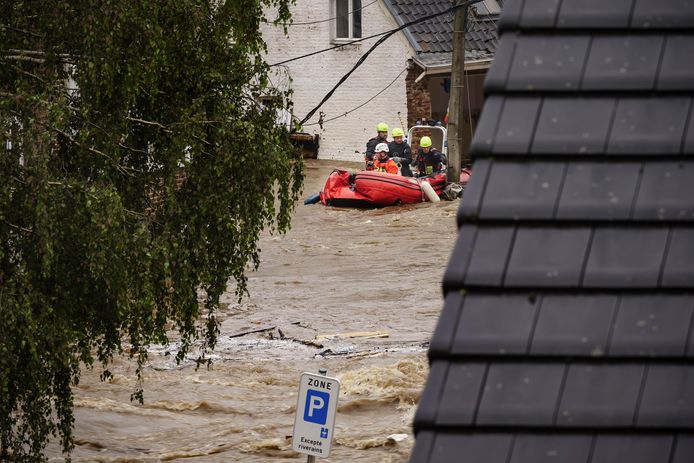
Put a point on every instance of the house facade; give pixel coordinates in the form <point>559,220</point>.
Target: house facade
<point>404,79</point>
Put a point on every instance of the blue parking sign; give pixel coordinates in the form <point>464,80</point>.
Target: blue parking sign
<point>314,420</point>
<point>316,408</point>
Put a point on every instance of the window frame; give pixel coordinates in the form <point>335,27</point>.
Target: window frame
<point>350,22</point>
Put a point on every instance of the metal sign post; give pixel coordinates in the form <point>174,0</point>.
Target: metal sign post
<point>315,415</point>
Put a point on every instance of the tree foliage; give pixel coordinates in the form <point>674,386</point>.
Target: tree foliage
<point>137,171</point>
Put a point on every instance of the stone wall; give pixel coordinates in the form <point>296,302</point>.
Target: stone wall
<point>418,97</point>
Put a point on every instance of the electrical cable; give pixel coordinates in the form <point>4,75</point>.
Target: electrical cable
<point>469,107</point>
<point>389,32</point>
<point>330,19</point>
<point>375,45</point>
<point>328,49</point>
<point>361,105</point>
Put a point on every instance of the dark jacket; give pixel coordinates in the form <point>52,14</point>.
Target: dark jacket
<point>371,147</point>
<point>427,163</point>
<point>404,152</point>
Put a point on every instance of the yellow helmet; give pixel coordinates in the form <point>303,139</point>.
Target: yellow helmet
<point>382,127</point>
<point>425,142</point>
<point>397,132</point>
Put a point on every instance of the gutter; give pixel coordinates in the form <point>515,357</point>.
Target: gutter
<point>400,22</point>
<point>472,65</point>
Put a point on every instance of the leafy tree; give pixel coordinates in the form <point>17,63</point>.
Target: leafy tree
<point>137,171</point>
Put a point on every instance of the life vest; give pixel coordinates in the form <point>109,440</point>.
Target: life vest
<point>388,166</point>
<point>428,163</point>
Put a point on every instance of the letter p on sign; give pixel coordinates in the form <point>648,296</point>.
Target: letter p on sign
<point>316,407</point>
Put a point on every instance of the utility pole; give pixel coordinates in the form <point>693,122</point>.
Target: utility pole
<point>455,103</point>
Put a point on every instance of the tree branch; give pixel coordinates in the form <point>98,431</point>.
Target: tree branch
<point>142,121</point>
<point>17,227</point>
<point>24,58</point>
<point>123,169</point>
<point>5,27</point>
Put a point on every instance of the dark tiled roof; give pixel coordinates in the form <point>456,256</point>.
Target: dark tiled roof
<point>434,37</point>
<point>567,332</point>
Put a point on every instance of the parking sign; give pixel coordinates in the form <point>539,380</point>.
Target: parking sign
<point>315,414</point>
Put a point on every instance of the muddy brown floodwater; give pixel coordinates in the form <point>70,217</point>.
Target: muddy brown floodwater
<point>336,271</point>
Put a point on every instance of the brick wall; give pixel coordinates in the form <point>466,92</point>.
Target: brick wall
<point>418,97</point>
<point>312,78</point>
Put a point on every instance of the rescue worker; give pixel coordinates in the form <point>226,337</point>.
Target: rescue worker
<point>382,162</point>
<point>400,152</point>
<point>429,160</point>
<point>382,137</point>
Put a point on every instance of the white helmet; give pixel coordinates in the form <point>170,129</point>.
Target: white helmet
<point>381,147</point>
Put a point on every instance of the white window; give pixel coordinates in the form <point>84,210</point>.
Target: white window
<point>347,14</point>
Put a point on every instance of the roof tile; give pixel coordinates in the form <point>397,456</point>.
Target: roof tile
<point>688,143</point>
<point>475,190</point>
<point>494,324</point>
<point>489,255</point>
<point>539,13</point>
<point>434,36</point>
<point>442,340</point>
<point>498,73</point>
<point>547,257</point>
<point>599,190</point>
<point>684,449</point>
<point>666,192</point>
<point>461,393</point>
<point>510,14</point>
<point>677,68</point>
<point>489,121</point>
<point>594,13</point>
<point>649,125</point>
<point>653,14</point>
<point>653,325</point>
<point>573,125</point>
<point>668,397</point>
<point>471,448</point>
<point>429,403</point>
<point>573,325</point>
<point>516,125</point>
<point>551,448</point>
<point>679,263</point>
<point>522,189</point>
<point>623,62</point>
<point>632,449</point>
<point>460,258</point>
<point>520,394</point>
<point>625,257</point>
<point>600,395</point>
<point>544,63</point>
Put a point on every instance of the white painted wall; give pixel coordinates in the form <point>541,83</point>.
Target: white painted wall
<point>313,77</point>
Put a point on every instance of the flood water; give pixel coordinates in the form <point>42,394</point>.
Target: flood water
<point>337,271</point>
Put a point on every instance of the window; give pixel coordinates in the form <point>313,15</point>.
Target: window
<point>347,15</point>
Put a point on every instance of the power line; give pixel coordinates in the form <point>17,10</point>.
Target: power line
<point>330,19</point>
<point>375,45</point>
<point>388,33</point>
<point>361,105</point>
<point>328,49</point>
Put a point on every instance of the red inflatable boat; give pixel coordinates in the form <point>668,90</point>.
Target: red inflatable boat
<point>376,189</point>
